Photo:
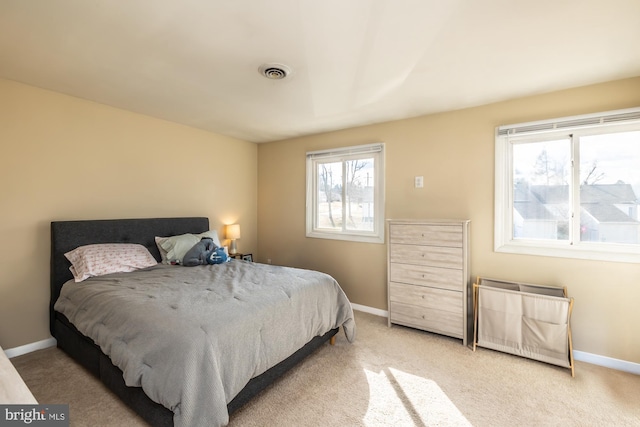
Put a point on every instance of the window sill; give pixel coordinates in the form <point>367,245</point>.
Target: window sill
<point>615,253</point>
<point>347,237</point>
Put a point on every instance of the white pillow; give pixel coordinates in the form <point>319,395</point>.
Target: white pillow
<point>106,258</point>
<point>174,248</point>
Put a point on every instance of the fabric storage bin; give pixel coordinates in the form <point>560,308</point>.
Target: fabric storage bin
<point>527,320</point>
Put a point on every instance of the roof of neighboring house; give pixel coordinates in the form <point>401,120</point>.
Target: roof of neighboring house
<point>606,213</point>
<point>614,193</point>
<point>596,193</point>
<point>528,206</point>
<point>598,200</point>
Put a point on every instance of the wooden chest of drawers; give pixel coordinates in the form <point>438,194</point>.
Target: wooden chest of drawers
<point>429,277</point>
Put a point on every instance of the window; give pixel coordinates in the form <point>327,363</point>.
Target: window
<point>570,187</point>
<point>345,193</point>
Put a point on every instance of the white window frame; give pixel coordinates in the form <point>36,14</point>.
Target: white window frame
<point>576,126</point>
<point>340,155</point>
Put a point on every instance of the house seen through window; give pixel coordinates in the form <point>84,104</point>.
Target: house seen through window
<point>570,187</point>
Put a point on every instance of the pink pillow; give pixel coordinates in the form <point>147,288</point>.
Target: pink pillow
<point>100,259</point>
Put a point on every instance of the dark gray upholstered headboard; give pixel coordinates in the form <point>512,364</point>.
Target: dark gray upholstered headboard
<point>68,235</point>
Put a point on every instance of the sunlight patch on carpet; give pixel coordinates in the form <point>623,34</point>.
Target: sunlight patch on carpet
<point>399,398</point>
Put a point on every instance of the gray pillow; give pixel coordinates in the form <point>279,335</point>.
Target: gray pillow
<point>173,249</point>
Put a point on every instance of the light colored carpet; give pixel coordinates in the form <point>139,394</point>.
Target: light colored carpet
<point>389,377</point>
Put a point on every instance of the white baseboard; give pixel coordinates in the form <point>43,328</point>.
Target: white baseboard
<point>581,356</point>
<point>370,310</point>
<point>28,348</point>
<point>607,362</point>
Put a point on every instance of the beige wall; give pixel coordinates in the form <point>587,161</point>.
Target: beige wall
<point>65,158</point>
<point>454,152</point>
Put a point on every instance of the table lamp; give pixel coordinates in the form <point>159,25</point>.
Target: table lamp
<point>233,233</point>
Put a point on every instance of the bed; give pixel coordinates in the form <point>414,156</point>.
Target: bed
<point>122,358</point>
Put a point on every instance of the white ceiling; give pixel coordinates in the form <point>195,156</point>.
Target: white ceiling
<point>354,62</point>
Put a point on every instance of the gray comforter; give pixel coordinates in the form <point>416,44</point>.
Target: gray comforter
<point>192,337</point>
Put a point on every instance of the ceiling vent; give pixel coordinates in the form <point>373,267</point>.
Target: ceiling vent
<point>274,71</point>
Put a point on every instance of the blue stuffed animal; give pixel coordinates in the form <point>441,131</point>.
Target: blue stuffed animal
<point>217,256</point>
<point>204,252</point>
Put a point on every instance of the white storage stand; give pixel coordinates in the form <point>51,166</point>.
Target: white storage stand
<point>523,319</point>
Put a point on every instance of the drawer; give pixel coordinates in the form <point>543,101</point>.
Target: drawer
<point>426,234</point>
<point>433,256</point>
<point>422,275</point>
<point>439,321</point>
<point>441,299</point>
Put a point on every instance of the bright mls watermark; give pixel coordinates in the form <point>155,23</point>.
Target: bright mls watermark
<point>34,415</point>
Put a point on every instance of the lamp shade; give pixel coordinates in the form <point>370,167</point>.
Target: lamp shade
<point>233,231</point>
